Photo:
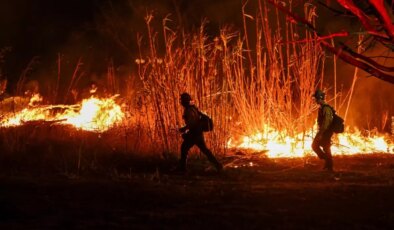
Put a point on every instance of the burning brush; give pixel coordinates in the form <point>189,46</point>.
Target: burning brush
<point>276,144</point>
<point>92,114</point>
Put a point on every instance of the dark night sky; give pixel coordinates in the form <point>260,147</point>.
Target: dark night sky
<point>44,28</point>
<point>35,24</point>
<point>41,28</point>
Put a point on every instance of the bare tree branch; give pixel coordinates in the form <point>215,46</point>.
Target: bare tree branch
<point>347,54</point>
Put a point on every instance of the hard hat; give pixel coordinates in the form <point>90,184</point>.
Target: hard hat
<point>186,97</point>
<point>319,94</point>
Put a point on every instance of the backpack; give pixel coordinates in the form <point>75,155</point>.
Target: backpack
<point>337,124</point>
<point>206,122</point>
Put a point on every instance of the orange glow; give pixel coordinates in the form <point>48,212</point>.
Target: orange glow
<point>277,144</point>
<point>91,114</point>
<point>99,115</point>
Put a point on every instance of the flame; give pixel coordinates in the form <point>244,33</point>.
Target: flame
<point>99,115</point>
<point>95,115</point>
<point>91,114</point>
<point>278,144</point>
<point>35,99</point>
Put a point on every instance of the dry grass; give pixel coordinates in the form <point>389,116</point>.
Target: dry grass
<point>45,148</point>
<point>246,87</point>
<point>246,84</point>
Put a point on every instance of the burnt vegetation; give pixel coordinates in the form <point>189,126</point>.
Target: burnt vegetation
<point>254,77</point>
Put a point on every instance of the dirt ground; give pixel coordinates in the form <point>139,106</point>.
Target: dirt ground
<point>251,193</point>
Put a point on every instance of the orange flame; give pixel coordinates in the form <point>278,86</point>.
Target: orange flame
<point>277,144</point>
<point>95,115</point>
<point>91,114</point>
<point>99,115</point>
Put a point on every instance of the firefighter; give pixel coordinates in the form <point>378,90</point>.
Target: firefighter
<point>321,144</point>
<point>192,134</point>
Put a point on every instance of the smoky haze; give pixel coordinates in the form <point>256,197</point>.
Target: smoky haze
<point>102,31</point>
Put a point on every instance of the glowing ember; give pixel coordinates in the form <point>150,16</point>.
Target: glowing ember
<point>277,144</point>
<point>92,114</point>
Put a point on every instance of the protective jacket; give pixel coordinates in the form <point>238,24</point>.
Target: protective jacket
<point>324,118</point>
<point>191,116</point>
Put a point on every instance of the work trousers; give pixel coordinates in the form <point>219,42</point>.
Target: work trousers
<point>322,147</point>
<point>189,140</point>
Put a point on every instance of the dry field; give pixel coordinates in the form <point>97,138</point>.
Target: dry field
<point>58,177</point>
<point>253,192</point>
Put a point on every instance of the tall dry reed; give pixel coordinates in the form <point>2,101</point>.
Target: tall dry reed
<point>247,84</point>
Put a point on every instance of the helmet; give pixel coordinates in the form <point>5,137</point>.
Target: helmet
<point>319,94</point>
<point>186,97</point>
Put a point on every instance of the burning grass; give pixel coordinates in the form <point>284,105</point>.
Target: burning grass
<point>275,144</point>
<point>257,93</point>
<point>92,114</point>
